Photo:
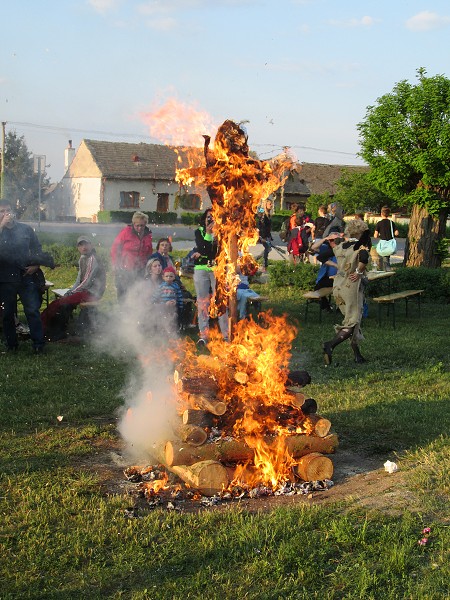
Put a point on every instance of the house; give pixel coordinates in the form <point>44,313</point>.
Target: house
<point>121,176</point>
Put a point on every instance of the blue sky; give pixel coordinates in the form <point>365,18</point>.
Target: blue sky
<point>302,72</point>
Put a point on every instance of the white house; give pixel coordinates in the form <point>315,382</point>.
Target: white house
<point>121,176</point>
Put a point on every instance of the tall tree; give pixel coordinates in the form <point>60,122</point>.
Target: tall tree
<point>357,192</point>
<point>21,185</point>
<point>405,138</point>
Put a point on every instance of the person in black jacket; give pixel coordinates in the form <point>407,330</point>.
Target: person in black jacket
<point>264,224</point>
<point>204,279</point>
<point>20,276</point>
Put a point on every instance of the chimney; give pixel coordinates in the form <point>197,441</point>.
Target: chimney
<point>69,153</point>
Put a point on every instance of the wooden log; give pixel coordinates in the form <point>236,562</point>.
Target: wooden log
<point>237,450</point>
<point>317,424</point>
<point>205,402</point>
<point>309,407</point>
<point>198,385</point>
<point>314,466</point>
<point>194,435</point>
<point>201,418</point>
<point>297,398</point>
<point>241,377</point>
<point>209,477</point>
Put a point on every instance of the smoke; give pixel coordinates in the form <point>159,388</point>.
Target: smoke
<point>140,333</point>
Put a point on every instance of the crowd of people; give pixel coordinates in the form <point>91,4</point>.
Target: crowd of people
<point>342,251</point>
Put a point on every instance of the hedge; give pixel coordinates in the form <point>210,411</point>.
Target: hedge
<point>434,282</point>
<point>124,216</point>
<point>68,256</point>
<point>190,218</point>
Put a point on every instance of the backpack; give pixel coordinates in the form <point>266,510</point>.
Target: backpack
<point>300,242</point>
<point>285,229</point>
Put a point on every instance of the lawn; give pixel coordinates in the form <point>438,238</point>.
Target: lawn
<point>65,532</point>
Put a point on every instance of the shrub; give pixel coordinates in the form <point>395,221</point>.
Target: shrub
<point>284,273</point>
<point>68,256</point>
<point>434,282</point>
<point>124,216</point>
<point>189,218</point>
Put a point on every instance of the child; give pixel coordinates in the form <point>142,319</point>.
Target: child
<point>300,236</point>
<point>169,296</point>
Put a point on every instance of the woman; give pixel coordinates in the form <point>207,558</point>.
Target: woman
<point>130,252</point>
<point>337,222</point>
<point>348,287</point>
<point>163,247</point>
<point>265,230</point>
<point>153,275</point>
<point>204,279</point>
<point>385,230</point>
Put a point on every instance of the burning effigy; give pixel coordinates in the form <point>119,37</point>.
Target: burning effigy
<point>242,420</point>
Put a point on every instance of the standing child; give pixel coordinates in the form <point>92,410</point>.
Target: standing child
<point>169,296</point>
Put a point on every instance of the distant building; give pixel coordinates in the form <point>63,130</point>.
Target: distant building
<point>121,176</point>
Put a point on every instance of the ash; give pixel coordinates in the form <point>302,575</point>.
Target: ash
<point>159,489</point>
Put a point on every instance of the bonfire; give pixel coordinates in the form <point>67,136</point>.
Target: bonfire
<point>243,420</point>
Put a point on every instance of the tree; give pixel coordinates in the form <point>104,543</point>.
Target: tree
<point>21,185</point>
<point>405,138</point>
<point>357,193</point>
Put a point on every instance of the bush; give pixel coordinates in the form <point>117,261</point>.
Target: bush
<point>284,273</point>
<point>189,218</point>
<point>278,218</point>
<point>68,256</point>
<point>435,282</point>
<point>124,216</point>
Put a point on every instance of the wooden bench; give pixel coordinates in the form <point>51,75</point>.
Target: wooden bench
<point>316,296</point>
<point>391,299</point>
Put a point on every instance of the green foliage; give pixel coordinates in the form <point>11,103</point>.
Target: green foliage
<point>125,216</point>
<point>284,273</point>
<point>357,193</point>
<point>21,184</point>
<point>278,218</point>
<point>405,138</point>
<point>190,218</point>
<point>316,200</point>
<point>68,256</point>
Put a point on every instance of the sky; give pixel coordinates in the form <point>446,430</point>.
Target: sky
<point>300,72</point>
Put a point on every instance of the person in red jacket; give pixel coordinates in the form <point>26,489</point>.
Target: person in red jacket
<point>130,252</point>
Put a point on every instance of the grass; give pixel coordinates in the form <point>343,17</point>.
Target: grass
<point>64,535</point>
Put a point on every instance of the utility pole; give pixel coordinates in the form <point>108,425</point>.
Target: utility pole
<point>2,186</point>
<point>39,166</point>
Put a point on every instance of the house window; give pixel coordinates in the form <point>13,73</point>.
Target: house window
<point>129,199</point>
<point>162,205</point>
<point>192,202</point>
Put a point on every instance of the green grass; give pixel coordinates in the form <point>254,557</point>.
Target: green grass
<point>64,535</point>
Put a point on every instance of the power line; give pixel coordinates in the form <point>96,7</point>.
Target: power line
<point>70,130</point>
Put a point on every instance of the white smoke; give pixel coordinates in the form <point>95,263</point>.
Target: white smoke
<point>137,331</point>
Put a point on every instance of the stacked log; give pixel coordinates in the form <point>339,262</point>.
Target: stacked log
<point>204,463</point>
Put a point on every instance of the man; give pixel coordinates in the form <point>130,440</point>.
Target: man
<point>20,257</point>
<point>88,287</point>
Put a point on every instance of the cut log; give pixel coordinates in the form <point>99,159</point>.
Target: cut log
<point>194,435</point>
<point>241,377</point>
<point>317,425</point>
<point>309,407</point>
<point>198,385</point>
<point>314,466</point>
<point>201,418</point>
<point>216,407</point>
<point>208,477</point>
<point>237,450</point>
<point>297,398</point>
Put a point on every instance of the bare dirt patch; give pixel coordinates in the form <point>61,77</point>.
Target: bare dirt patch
<point>359,480</point>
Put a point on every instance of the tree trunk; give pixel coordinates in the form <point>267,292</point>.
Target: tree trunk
<point>424,233</point>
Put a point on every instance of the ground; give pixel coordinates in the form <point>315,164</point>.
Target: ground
<point>358,479</point>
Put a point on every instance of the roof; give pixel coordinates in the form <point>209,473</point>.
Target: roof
<point>137,161</point>
<point>295,185</point>
<point>321,178</point>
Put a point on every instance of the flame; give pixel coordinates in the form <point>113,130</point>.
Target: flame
<point>151,488</point>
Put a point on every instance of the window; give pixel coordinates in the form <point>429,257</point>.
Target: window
<point>192,202</point>
<point>129,199</point>
<point>163,203</point>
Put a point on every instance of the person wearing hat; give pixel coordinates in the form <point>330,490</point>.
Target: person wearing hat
<point>88,287</point>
